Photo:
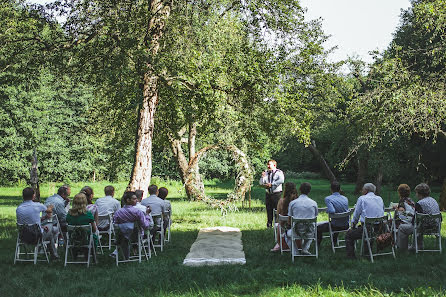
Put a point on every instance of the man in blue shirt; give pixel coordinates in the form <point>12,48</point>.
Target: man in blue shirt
<point>336,203</point>
<point>368,205</point>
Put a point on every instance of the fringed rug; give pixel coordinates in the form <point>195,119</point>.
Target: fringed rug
<point>216,246</point>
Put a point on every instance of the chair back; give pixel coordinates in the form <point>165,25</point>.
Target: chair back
<point>428,224</point>
<point>341,215</point>
<point>29,233</point>
<point>303,226</point>
<point>79,235</point>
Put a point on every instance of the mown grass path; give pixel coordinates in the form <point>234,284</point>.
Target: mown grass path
<point>265,273</point>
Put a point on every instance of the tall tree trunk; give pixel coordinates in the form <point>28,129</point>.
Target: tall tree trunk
<point>325,168</point>
<point>178,154</point>
<point>191,142</point>
<point>363,168</point>
<point>142,167</point>
<point>443,196</point>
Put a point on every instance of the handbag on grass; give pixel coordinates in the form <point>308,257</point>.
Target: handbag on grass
<point>384,240</point>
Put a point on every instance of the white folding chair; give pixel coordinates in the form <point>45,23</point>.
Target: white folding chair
<point>107,219</point>
<point>343,215</point>
<point>79,238</point>
<point>373,227</point>
<point>275,219</point>
<point>128,237</point>
<point>427,224</point>
<point>303,229</point>
<point>30,235</point>
<point>282,232</point>
<point>159,225</point>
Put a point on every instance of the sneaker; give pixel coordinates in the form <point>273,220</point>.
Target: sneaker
<point>306,253</point>
<point>114,254</point>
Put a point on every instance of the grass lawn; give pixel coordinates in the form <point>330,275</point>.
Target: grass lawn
<point>265,273</point>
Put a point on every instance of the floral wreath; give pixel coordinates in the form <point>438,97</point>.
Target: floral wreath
<point>243,180</point>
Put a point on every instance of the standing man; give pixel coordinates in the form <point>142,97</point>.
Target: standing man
<point>272,180</point>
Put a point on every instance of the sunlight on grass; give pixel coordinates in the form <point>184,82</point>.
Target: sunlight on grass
<point>265,274</point>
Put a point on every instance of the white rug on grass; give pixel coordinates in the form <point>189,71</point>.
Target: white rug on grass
<point>216,246</point>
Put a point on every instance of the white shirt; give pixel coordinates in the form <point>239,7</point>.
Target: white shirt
<point>107,205</point>
<point>29,212</point>
<point>144,210</point>
<point>303,208</point>
<point>370,206</point>
<point>156,204</point>
<point>275,178</point>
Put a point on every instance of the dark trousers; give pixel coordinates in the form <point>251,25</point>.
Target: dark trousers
<point>350,237</point>
<point>355,234</point>
<point>271,201</point>
<point>325,228</point>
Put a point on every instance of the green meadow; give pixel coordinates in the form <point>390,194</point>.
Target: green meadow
<point>265,273</point>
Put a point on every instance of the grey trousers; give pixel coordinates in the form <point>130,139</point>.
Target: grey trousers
<point>404,231</point>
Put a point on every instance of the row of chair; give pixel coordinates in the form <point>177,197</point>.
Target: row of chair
<point>424,224</point>
<point>81,238</point>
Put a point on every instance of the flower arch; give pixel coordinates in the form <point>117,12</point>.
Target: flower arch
<point>243,180</point>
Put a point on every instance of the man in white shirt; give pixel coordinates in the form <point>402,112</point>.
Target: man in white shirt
<point>303,208</point>
<point>29,212</point>
<point>368,205</point>
<point>107,205</point>
<point>157,206</point>
<point>272,180</point>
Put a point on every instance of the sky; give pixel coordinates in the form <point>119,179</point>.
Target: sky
<point>356,26</point>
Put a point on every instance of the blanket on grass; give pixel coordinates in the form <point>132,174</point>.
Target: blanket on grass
<point>216,246</point>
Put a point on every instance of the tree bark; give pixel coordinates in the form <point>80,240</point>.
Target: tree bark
<point>178,153</point>
<point>443,196</point>
<point>192,151</point>
<point>325,168</point>
<point>142,167</point>
<point>363,167</point>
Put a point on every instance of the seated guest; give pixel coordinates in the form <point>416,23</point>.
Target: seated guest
<point>79,215</point>
<point>88,191</point>
<point>405,211</point>
<point>107,205</point>
<point>289,194</point>
<point>28,212</point>
<point>336,203</point>
<point>303,208</point>
<point>144,209</point>
<point>130,214</point>
<point>162,193</point>
<point>156,204</point>
<point>59,201</point>
<point>368,205</point>
<point>425,205</point>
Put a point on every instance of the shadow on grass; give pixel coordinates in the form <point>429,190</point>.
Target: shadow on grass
<point>264,273</point>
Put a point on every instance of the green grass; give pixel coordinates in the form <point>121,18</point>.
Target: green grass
<point>265,274</point>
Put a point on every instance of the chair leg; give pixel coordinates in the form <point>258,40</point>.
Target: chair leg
<point>36,251</point>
